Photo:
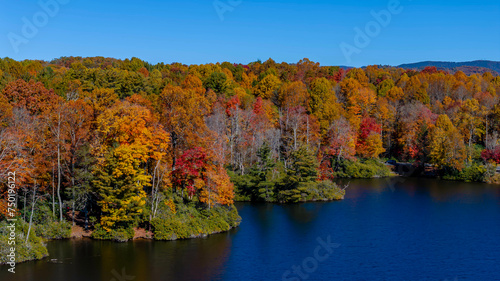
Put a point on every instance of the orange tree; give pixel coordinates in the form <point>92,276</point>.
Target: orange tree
<point>127,138</point>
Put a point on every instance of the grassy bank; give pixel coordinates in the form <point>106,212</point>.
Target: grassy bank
<point>472,172</point>
<point>190,222</point>
<point>177,219</point>
<point>359,169</point>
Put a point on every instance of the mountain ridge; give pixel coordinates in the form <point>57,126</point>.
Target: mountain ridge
<point>468,67</point>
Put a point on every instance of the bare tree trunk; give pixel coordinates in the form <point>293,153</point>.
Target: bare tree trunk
<point>156,208</point>
<point>155,189</point>
<point>73,188</point>
<point>59,180</point>
<point>295,138</point>
<point>24,209</point>
<point>32,211</point>
<point>59,165</point>
<point>153,195</point>
<point>53,192</point>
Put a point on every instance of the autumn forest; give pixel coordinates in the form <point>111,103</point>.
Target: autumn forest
<point>115,145</point>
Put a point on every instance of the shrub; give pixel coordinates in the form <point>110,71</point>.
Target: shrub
<point>327,190</point>
<point>34,249</point>
<point>471,173</point>
<point>494,179</point>
<point>370,168</point>
<point>190,222</point>
<point>54,230</point>
<point>491,155</point>
<point>118,234</point>
<point>311,191</point>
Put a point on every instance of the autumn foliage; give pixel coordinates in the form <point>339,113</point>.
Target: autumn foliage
<point>119,137</point>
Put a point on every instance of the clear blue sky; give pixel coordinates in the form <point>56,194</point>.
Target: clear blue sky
<point>192,32</point>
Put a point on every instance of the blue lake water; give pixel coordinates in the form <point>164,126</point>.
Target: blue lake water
<point>397,229</point>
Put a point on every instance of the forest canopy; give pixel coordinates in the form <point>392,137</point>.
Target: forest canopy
<point>122,138</point>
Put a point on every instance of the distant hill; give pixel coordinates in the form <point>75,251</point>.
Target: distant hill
<point>470,67</point>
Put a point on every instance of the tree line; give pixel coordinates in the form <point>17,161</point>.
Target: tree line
<point>119,138</point>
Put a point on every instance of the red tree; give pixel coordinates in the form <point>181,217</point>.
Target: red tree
<point>491,155</point>
<point>190,166</point>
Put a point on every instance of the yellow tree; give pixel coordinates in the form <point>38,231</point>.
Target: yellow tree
<point>446,146</point>
<point>100,100</point>
<point>395,94</point>
<point>359,75</point>
<point>384,87</point>
<point>267,86</point>
<point>247,80</point>
<point>417,90</point>
<point>127,138</point>
<point>323,102</point>
<point>359,100</point>
<point>293,94</point>
<point>385,113</point>
<point>470,122</point>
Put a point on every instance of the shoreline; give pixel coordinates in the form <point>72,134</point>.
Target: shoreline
<point>77,232</point>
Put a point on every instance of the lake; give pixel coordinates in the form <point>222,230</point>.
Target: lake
<point>385,229</point>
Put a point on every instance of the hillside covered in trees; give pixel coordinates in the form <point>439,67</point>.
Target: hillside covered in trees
<point>124,143</point>
<point>468,67</point>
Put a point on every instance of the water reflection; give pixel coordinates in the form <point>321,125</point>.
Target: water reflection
<point>304,212</point>
<point>85,259</point>
<point>396,229</point>
<point>438,190</point>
